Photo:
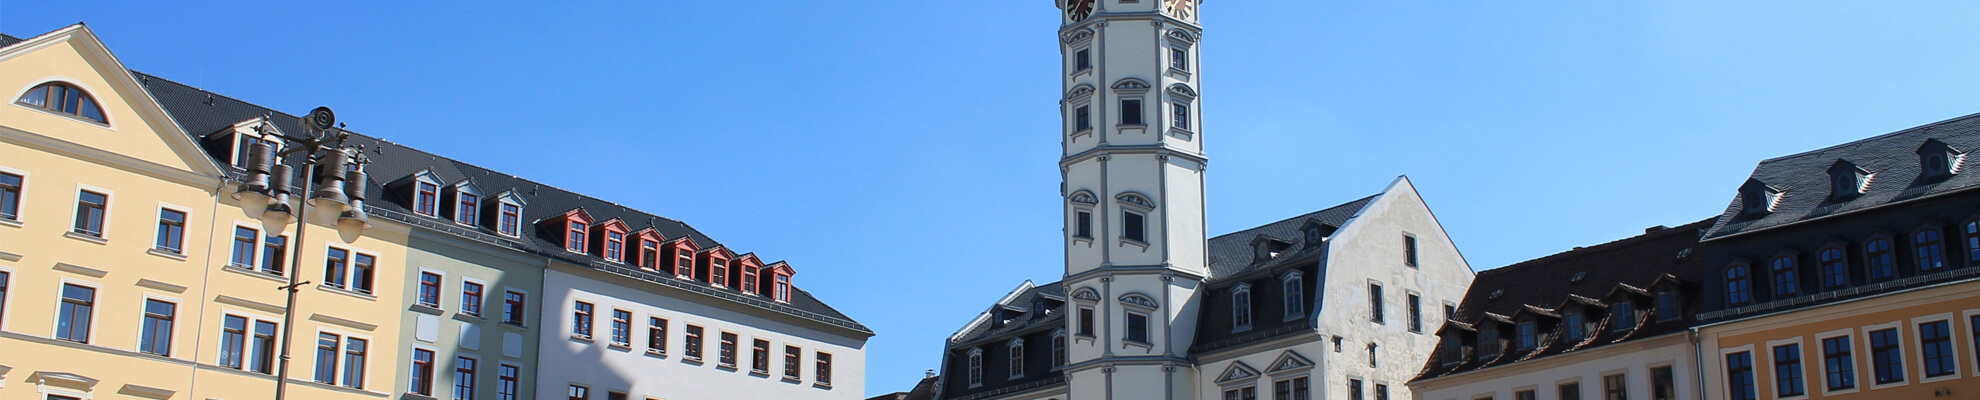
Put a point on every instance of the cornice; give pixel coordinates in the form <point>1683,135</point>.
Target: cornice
<point>100,156</point>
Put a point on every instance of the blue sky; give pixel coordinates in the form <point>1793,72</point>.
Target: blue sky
<point>902,154</point>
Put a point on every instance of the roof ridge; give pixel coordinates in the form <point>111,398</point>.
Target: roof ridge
<point>1704,224</point>
<point>1308,214</point>
<point>1873,138</point>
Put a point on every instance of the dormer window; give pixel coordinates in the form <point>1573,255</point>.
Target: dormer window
<point>427,201</point>
<point>615,246</point>
<point>467,208</point>
<point>1667,305</point>
<point>1574,324</point>
<point>1241,308</point>
<point>649,253</point>
<point>1757,199</point>
<point>1739,286</point>
<point>64,98</point>
<point>783,288</point>
<point>1787,277</point>
<point>1622,315</point>
<point>1451,352</point>
<point>1488,342</point>
<point>684,263</point>
<point>1295,296</point>
<point>1846,180</point>
<point>574,238</point>
<point>1937,160</point>
<point>510,222</point>
<point>749,280</point>
<point>718,271</point>
<point>1529,334</point>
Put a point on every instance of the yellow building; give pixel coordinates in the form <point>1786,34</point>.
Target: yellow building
<point>121,275</point>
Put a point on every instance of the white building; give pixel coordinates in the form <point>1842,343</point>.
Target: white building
<point>1151,307</point>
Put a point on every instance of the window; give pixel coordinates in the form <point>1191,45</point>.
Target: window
<point>464,212</point>
<point>1059,349</point>
<point>1409,250</point>
<point>1450,352</point>
<point>579,392</point>
<point>1131,112</point>
<point>1622,315</point>
<point>1295,295</point>
<point>512,307</point>
<point>1488,343</point>
<point>90,208</point>
<point>1083,224</point>
<point>274,254</point>
<point>327,347</point>
<point>264,347</point>
<point>783,288</point>
<point>361,272</point>
<point>1787,371</point>
<point>427,202</point>
<point>78,305</point>
<point>1931,250</point>
<point>422,372</point>
<point>1886,356</point>
<point>622,328</point>
<point>1973,323</point>
<point>1570,391</point>
<point>1179,115</point>
<point>574,238</point>
<point>157,327</point>
<point>649,254</point>
<point>792,355</point>
<point>1179,59</point>
<point>581,320</point>
<point>1573,324</point>
<point>1739,289</point>
<point>1667,305</point>
<point>1371,355</point>
<point>1935,344</point>
<point>1450,311</point>
<point>615,396</point>
<point>1082,119</point>
<point>1291,389</point>
<point>1085,321</point>
<point>684,263</point>
<point>233,341</point>
<point>1243,393</point>
<point>5,279</point>
<point>470,298</point>
<point>759,356</point>
<point>728,356</point>
<point>1528,335</point>
<point>975,367</point>
<point>1241,308</point>
<point>748,278</point>
<point>464,378</point>
<point>1375,302</point>
<point>1017,358</point>
<point>171,230</point>
<point>508,382</point>
<point>1137,327</point>
<point>824,368</point>
<point>615,245</point>
<point>1785,278</point>
<point>1614,387</point>
<point>1082,60</point>
<point>511,220</point>
<point>718,271</point>
<point>1131,227</point>
<point>1663,386</point>
<point>64,98</point>
<point>1354,389</point>
<point>1880,263</point>
<point>656,335</point>
<point>429,289</point>
<point>1739,376</point>
<point>693,342</point>
<point>10,195</point>
<point>1523,395</point>
<point>1972,239</point>
<point>354,352</point>
<point>1415,313</point>
<point>1837,363</point>
<point>334,264</point>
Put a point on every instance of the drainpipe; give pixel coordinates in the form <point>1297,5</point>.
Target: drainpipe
<point>1697,361</point>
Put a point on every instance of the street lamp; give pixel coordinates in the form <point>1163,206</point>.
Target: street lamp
<point>339,189</point>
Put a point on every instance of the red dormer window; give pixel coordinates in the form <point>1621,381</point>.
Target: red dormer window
<point>746,270</point>
<point>718,267</point>
<point>574,239</point>
<point>682,255</point>
<point>783,289</point>
<point>609,240</point>
<point>647,254</point>
<point>428,201</point>
<point>780,281</point>
<point>615,246</point>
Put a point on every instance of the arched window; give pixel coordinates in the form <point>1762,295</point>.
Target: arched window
<point>1059,348</point>
<point>64,98</point>
<point>976,367</point>
<point>1295,295</point>
<point>1931,249</point>
<point>1739,290</point>
<point>1017,358</point>
<point>1785,278</point>
<point>1241,308</point>
<point>1835,269</point>
<point>1879,263</point>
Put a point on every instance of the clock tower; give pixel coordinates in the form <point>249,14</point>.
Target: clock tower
<point>1132,172</point>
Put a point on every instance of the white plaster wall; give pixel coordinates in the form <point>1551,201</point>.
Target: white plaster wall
<point>1261,359</point>
<point>1185,222</point>
<point>1138,173</point>
<point>1543,376</point>
<point>1083,255</point>
<point>1371,248</point>
<point>565,360</point>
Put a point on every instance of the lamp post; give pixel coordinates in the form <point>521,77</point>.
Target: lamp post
<point>339,186</point>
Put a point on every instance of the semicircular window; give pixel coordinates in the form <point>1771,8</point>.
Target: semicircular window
<point>64,98</point>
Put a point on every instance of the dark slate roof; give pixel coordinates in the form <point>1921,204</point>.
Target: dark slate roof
<point>1021,313</point>
<point>1803,179</point>
<point>9,40</point>
<point>1232,253</point>
<point>1542,286</point>
<point>201,113</point>
<point>924,390</point>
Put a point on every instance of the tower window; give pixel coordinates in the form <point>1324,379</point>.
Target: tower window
<point>1179,114</point>
<point>1082,119</point>
<point>1083,224</point>
<point>1137,327</point>
<point>1132,227</point>
<point>1082,60</point>
<point>66,99</point>
<point>1131,112</point>
<point>1179,59</point>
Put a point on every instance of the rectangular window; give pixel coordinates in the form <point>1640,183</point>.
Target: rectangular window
<point>728,349</point>
<point>1131,112</point>
<point>824,376</point>
<point>615,396</point>
<point>1488,343</point>
<point>511,220</point>
<point>1838,364</point>
<point>1179,115</point>
<point>783,288</point>
<point>1083,224</point>
<point>792,355</point>
<point>1082,119</point>
<point>429,289</point>
<point>1972,231</point>
<point>656,335</point>
<point>464,378</point>
<point>1573,324</point>
<point>649,254</point>
<point>244,245</point>
<point>718,271</point>
<point>1623,315</point>
<point>1935,344</point>
<point>1082,60</point>
<point>748,279</point>
<point>362,272</point>
<point>1614,387</point>
<point>1835,268</point>
<point>1886,356</point>
<point>1663,386</point>
<point>1409,250</point>
<point>78,306</point>
<point>581,320</point>
<point>1787,371</point>
<point>1415,313</point>
<point>90,208</point>
<point>684,263</point>
<point>328,347</point>
<point>1930,249</point>
<point>233,341</point>
<point>1375,302</point>
<point>334,264</point>
<point>759,356</point>
<point>428,198</point>
<point>693,342</point>
<point>10,196</point>
<point>1295,296</point>
<point>422,372</point>
<point>470,298</point>
<point>1381,391</point>
<point>574,239</point>
<point>579,392</point>
<point>615,244</point>
<point>509,382</point>
<point>464,213</point>
<point>274,254</point>
<point>1243,393</point>
<point>622,327</point>
<point>264,347</point>
<point>1137,327</point>
<point>1523,395</point>
<point>1739,376</point>
<point>1667,306</point>
<point>1132,227</point>
<point>1354,390</point>
<point>5,279</point>
<point>513,307</point>
<point>1528,334</point>
<point>1880,264</point>
<point>1179,59</point>
<point>354,353</point>
<point>1085,321</point>
<point>1570,391</point>
<point>171,230</point>
<point>157,329</point>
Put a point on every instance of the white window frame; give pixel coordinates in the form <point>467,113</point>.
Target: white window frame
<point>178,307</point>
<point>13,279</point>
<point>509,198</point>
<point>1952,333</point>
<point>1016,368</point>
<point>350,271</point>
<point>467,187</point>
<point>439,298</point>
<point>343,348</point>
<point>1855,360</point>
<point>1725,372</point>
<point>1774,381</point>
<point>95,305</point>
<point>247,337</point>
<point>973,367</point>
<point>1870,355</point>
<point>109,208</point>
<point>20,215</point>
<point>1297,296</point>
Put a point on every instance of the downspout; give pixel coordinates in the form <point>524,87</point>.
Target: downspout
<point>206,281</point>
<point>1697,361</point>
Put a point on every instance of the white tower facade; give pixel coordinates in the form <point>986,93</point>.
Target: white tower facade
<point>1133,184</point>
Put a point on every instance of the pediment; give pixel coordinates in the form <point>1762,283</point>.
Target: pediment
<point>1083,197</point>
<point>1135,199</point>
<point>1131,84</point>
<point>1182,90</point>
<point>1085,294</point>
<point>1289,361</point>
<point>1082,90</point>
<point>139,134</point>
<point>1138,299</point>
<point>1237,372</point>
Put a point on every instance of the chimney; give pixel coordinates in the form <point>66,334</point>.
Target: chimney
<point>931,374</point>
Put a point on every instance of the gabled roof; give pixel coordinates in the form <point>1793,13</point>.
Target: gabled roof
<point>1804,183</point>
<point>1232,253</point>
<point>1024,318</point>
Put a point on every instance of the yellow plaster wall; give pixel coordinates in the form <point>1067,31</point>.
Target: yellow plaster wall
<point>1955,300</point>
<point>129,133</point>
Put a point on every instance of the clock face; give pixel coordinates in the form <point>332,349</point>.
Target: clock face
<point>1183,9</point>
<point>1078,10</point>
